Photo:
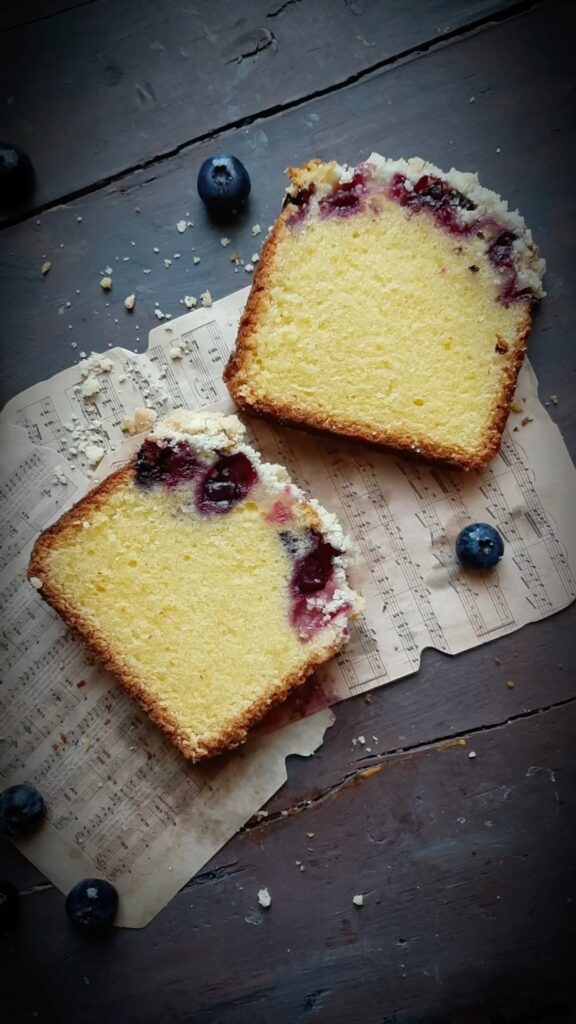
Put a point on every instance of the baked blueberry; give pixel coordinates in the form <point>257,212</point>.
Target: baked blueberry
<point>16,175</point>
<point>22,808</point>
<point>223,185</point>
<point>9,904</point>
<point>92,904</point>
<point>479,546</point>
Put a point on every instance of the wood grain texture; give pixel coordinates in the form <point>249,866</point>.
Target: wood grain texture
<point>110,85</point>
<point>468,915</point>
<point>467,864</point>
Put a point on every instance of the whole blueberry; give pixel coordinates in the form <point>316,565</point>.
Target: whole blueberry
<point>16,175</point>
<point>223,185</point>
<point>92,904</point>
<point>9,904</point>
<point>479,546</point>
<point>22,809</point>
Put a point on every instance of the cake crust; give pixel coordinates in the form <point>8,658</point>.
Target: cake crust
<point>237,371</point>
<point>234,733</point>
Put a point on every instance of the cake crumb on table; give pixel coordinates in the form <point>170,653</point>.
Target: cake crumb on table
<point>106,283</point>
<point>46,268</point>
<point>264,898</point>
<point>130,302</point>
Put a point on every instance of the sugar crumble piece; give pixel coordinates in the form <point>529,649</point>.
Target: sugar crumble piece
<point>224,242</point>
<point>94,453</point>
<point>108,270</point>
<point>46,268</point>
<point>255,230</point>
<point>195,259</point>
<point>106,283</point>
<point>141,421</point>
<point>158,314</point>
<point>181,226</point>
<point>554,399</point>
<point>264,898</point>
<point>248,268</point>
<point>90,386</point>
<point>176,352</point>
<point>36,582</point>
<point>78,220</point>
<point>362,740</point>
<point>255,257</point>
<point>167,263</point>
<point>190,301</point>
<point>472,755</point>
<point>206,298</point>
<point>310,835</point>
<point>130,302</point>
<point>358,900</point>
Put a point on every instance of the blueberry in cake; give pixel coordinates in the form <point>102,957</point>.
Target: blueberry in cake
<point>203,578</point>
<point>391,303</point>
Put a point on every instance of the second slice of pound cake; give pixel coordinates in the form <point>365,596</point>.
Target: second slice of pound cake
<point>391,303</point>
<point>203,578</point>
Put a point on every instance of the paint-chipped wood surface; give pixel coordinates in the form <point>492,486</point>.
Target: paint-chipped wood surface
<point>466,864</point>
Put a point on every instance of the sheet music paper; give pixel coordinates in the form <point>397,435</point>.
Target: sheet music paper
<point>122,803</point>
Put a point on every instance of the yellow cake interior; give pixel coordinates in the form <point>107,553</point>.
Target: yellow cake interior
<point>377,320</point>
<point>196,608</point>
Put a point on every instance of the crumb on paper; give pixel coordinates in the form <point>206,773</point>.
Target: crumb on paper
<point>176,352</point>
<point>358,900</point>
<point>130,302</point>
<point>206,298</point>
<point>255,230</point>
<point>94,454</point>
<point>141,420</point>
<point>46,268</point>
<point>106,283</point>
<point>60,476</point>
<point>190,301</point>
<point>517,407</point>
<point>36,582</point>
<point>527,419</point>
<point>264,898</point>
<point>90,386</point>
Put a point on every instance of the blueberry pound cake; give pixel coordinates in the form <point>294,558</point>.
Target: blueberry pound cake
<point>391,303</point>
<point>203,578</point>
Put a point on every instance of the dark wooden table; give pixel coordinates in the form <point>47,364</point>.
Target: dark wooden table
<point>469,865</point>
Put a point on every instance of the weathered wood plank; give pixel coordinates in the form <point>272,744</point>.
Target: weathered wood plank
<point>467,867</point>
<point>110,85</point>
<point>29,11</point>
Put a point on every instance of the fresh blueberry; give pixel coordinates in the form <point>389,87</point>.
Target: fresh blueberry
<point>22,808</point>
<point>16,175</point>
<point>9,904</point>
<point>92,904</point>
<point>479,546</point>
<point>223,185</point>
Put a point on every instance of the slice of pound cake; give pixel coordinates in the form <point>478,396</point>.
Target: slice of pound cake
<point>391,303</point>
<point>203,578</point>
